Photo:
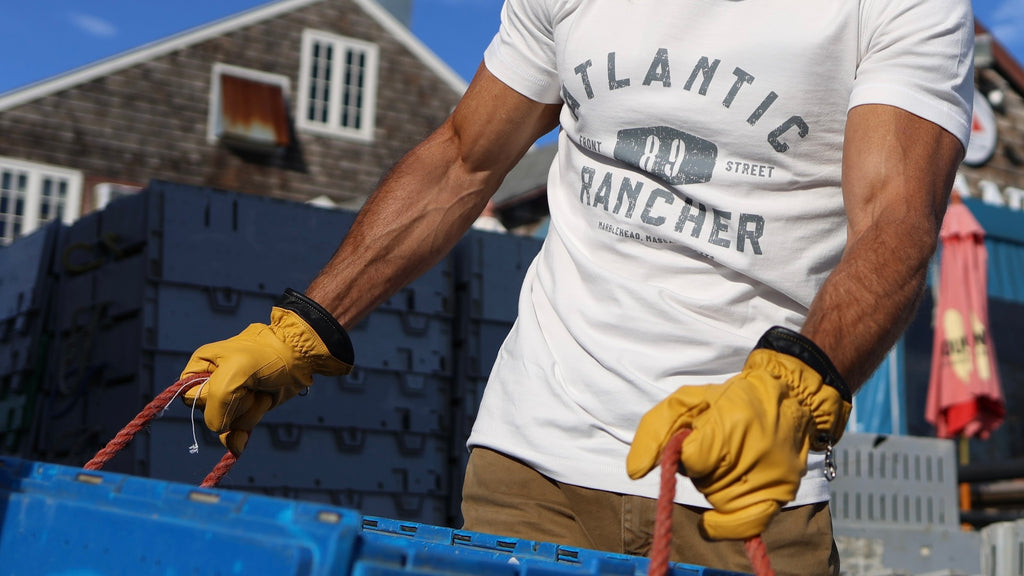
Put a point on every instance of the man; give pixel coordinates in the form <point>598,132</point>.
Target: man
<point>743,206</point>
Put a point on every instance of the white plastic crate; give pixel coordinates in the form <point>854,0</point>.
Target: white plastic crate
<point>1002,549</point>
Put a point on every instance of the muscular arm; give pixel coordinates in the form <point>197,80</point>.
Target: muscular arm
<point>430,198</point>
<point>898,170</point>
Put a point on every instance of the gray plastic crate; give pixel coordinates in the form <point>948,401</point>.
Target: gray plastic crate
<point>895,481</point>
<point>895,506</point>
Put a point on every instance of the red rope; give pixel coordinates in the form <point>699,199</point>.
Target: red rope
<point>220,470</point>
<point>661,547</point>
<point>147,415</point>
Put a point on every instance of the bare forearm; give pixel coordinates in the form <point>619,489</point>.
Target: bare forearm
<point>870,298</point>
<point>898,170</point>
<point>421,209</point>
<point>431,197</point>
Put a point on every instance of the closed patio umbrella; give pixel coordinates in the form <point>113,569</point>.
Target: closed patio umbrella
<point>964,394</point>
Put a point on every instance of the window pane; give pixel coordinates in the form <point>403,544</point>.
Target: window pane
<point>22,182</point>
<point>325,88</point>
<point>315,79</point>
<point>352,104</point>
<point>318,99</point>
<point>5,181</point>
<point>346,94</point>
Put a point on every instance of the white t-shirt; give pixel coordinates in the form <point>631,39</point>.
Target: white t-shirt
<point>695,198</point>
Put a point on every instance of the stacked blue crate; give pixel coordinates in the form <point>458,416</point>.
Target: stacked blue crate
<point>489,272</point>
<point>155,275</point>
<point>25,287</point>
<point>48,514</point>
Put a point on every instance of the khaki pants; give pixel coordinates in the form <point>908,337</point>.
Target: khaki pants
<point>505,497</point>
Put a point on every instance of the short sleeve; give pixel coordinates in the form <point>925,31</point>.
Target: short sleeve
<point>918,55</point>
<point>522,53</point>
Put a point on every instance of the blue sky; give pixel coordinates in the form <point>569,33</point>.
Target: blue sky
<point>42,38</point>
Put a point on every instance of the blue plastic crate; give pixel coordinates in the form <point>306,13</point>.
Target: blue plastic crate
<point>260,244</point>
<point>26,284</point>
<point>401,401</point>
<point>489,270</point>
<point>61,520</point>
<point>475,353</point>
<point>298,457</point>
<point>395,547</point>
<point>58,520</point>
<point>160,273</point>
<point>105,374</point>
<point>431,509</point>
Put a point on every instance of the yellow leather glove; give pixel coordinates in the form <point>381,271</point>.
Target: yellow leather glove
<point>748,449</point>
<point>265,365</point>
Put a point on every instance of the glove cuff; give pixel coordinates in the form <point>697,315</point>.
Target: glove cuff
<point>322,322</point>
<point>791,343</point>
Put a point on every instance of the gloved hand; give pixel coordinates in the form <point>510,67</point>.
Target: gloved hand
<point>748,449</point>
<point>265,365</point>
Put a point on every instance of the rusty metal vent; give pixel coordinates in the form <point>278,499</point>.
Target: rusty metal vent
<point>253,112</point>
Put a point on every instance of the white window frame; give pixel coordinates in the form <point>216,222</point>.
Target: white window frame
<point>333,125</point>
<point>36,174</point>
<point>214,126</point>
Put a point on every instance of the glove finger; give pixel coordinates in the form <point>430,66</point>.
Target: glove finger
<point>199,363</point>
<point>235,441</point>
<point>237,437</point>
<point>740,524</point>
<point>222,408</point>
<point>669,416</point>
<point>702,454</point>
<point>197,395</point>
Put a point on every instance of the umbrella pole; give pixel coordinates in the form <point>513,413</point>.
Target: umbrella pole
<point>964,453</point>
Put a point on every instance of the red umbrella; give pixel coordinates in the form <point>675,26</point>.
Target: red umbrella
<point>964,394</point>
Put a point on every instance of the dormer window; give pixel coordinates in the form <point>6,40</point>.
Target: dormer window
<point>337,86</point>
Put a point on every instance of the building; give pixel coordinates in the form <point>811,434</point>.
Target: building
<point>993,169</point>
<point>298,99</point>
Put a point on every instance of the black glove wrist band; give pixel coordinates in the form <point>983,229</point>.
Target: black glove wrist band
<point>322,322</point>
<point>786,341</point>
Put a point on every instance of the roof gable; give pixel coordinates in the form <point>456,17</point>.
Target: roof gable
<point>217,28</point>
